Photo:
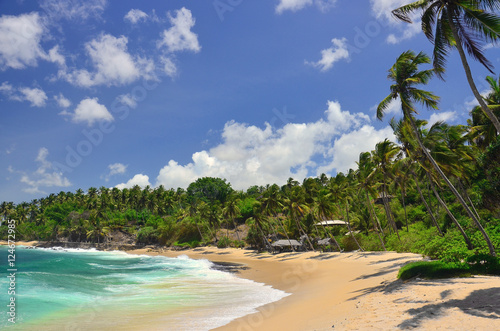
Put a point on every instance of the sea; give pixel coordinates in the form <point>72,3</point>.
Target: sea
<point>77,289</point>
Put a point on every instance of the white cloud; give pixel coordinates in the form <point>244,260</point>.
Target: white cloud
<point>169,66</point>
<point>296,5</point>
<point>346,149</point>
<point>20,40</point>
<point>127,100</point>
<point>331,55</point>
<point>249,155</point>
<point>139,179</point>
<point>73,10</point>
<point>113,64</point>
<point>408,32</point>
<point>56,57</point>
<point>6,88</point>
<point>62,101</point>
<point>115,169</point>
<point>382,10</point>
<point>441,117</point>
<point>90,111</point>
<point>180,37</point>
<point>393,109</point>
<point>135,15</point>
<point>43,176</point>
<point>36,96</point>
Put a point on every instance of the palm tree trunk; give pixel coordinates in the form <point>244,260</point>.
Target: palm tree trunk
<point>443,204</point>
<point>427,205</point>
<point>377,229</point>
<point>468,73</point>
<point>403,192</point>
<point>284,231</point>
<point>349,227</point>
<point>468,197</point>
<point>236,230</point>
<point>452,188</point>
<point>388,211</point>
<point>297,222</point>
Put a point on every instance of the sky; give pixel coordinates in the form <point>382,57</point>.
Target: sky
<point>108,93</point>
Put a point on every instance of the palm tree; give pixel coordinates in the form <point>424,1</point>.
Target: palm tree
<point>383,156</point>
<point>231,211</point>
<point>323,206</point>
<point>296,208</point>
<point>482,131</point>
<point>367,184</point>
<point>406,75</point>
<point>458,24</point>
<point>271,204</point>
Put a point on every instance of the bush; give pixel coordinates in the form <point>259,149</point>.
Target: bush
<point>147,235</point>
<point>484,264</point>
<point>434,269</point>
<point>223,242</point>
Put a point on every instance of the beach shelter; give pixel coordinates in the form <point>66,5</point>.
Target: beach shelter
<point>285,244</point>
<point>332,222</point>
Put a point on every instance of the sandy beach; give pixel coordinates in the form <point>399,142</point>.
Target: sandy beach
<point>353,291</point>
<point>356,291</point>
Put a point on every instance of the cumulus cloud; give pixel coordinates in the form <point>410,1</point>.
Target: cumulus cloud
<point>115,169</point>
<point>346,149</point>
<point>382,10</point>
<point>56,57</point>
<point>6,88</point>
<point>135,15</point>
<point>44,176</point>
<point>249,155</point>
<point>113,64</point>
<point>445,116</point>
<point>393,110</point>
<point>296,5</point>
<point>169,67</point>
<point>331,55</point>
<point>180,37</point>
<point>62,101</point>
<point>89,111</point>
<point>139,179</point>
<point>74,10</point>
<point>35,96</point>
<point>127,100</point>
<point>20,41</point>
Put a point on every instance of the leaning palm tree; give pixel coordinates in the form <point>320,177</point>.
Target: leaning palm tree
<point>458,24</point>
<point>383,155</point>
<point>482,131</point>
<point>406,76</point>
<point>231,211</point>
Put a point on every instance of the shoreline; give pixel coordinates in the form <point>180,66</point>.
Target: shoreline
<point>351,291</point>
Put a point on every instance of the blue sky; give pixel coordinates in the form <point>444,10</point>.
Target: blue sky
<point>118,93</point>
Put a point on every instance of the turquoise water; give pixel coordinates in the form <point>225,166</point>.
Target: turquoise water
<point>88,289</point>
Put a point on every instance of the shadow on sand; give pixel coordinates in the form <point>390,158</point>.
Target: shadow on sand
<point>480,303</point>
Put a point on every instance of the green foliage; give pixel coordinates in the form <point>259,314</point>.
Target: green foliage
<point>433,269</point>
<point>209,190</point>
<point>246,207</point>
<point>489,182</point>
<point>224,242</point>
<point>415,240</point>
<point>147,235</point>
<point>474,264</point>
